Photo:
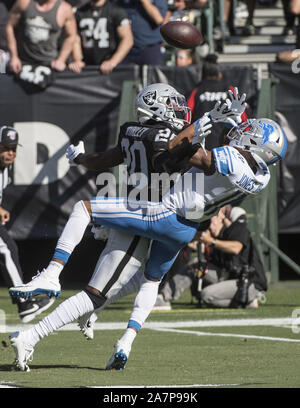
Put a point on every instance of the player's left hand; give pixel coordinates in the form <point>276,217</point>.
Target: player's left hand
<point>236,104</point>
<point>222,113</point>
<point>74,151</point>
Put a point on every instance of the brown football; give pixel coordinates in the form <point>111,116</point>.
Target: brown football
<point>181,34</point>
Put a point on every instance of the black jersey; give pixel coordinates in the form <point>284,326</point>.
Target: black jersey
<point>140,145</point>
<point>97,27</point>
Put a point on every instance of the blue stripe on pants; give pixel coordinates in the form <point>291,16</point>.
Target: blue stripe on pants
<point>170,233</point>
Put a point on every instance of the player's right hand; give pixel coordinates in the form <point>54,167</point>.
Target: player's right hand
<point>101,233</point>
<point>202,129</point>
<point>74,151</point>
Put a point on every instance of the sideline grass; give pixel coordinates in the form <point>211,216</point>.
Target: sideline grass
<point>65,359</point>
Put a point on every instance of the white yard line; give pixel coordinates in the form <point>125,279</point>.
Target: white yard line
<point>163,386</point>
<point>244,336</point>
<point>281,321</point>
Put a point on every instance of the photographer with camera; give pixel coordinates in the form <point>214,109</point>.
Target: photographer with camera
<point>235,275</point>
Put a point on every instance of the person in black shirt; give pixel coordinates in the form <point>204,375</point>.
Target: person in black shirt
<point>105,36</point>
<point>211,89</point>
<point>10,267</point>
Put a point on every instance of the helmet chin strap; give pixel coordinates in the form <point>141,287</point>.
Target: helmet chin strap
<point>259,161</point>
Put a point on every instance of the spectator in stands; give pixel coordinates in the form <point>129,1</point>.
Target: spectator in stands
<point>184,10</point>
<point>292,55</point>
<point>211,89</point>
<point>184,58</point>
<point>146,18</point>
<point>249,28</point>
<point>104,38</point>
<point>232,249</point>
<point>289,18</point>
<point>10,267</point>
<point>33,31</point>
<point>5,6</point>
<point>176,11</point>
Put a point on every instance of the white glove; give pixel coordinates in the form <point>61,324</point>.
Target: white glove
<point>202,130</point>
<point>73,151</point>
<point>222,113</point>
<point>236,104</point>
<point>100,233</point>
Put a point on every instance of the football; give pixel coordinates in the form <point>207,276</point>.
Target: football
<point>181,34</point>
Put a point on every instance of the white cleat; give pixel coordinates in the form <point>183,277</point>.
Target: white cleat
<point>41,284</point>
<point>23,351</point>
<point>86,324</point>
<point>119,357</point>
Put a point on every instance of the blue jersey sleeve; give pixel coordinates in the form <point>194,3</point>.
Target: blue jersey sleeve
<point>223,160</point>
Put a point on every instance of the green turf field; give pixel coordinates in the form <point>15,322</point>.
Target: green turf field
<point>190,347</point>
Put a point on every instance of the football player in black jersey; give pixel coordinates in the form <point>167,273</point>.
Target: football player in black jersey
<point>104,38</point>
<point>143,146</point>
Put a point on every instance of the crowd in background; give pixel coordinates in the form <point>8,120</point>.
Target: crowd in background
<point>74,33</point>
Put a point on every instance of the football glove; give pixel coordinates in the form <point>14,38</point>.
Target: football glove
<point>202,130</point>
<point>222,113</point>
<point>236,104</point>
<point>100,233</point>
<point>74,151</point>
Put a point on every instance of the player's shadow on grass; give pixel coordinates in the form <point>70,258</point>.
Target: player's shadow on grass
<point>10,367</point>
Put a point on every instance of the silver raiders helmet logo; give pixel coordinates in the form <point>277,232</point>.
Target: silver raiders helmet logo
<point>149,98</point>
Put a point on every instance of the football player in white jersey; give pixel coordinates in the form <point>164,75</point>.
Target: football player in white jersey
<point>224,175</point>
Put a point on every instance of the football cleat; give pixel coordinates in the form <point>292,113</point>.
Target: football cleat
<point>86,324</point>
<point>41,284</point>
<point>31,308</point>
<point>119,358</point>
<point>23,351</point>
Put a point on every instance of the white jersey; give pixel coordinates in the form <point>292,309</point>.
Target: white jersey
<point>198,197</point>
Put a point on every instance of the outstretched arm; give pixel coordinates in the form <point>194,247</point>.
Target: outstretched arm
<point>95,161</point>
<point>198,157</point>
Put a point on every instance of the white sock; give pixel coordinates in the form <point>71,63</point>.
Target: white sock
<point>144,303</point>
<point>128,338</point>
<point>54,269</point>
<point>65,313</point>
<point>73,232</point>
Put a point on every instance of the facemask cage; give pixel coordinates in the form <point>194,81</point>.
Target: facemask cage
<point>262,137</point>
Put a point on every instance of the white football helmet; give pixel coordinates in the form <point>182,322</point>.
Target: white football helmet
<point>262,137</point>
<point>161,102</point>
